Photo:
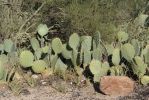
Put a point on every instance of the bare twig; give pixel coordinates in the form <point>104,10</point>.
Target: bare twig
<point>20,29</point>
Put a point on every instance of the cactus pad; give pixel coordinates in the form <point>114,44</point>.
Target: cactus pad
<point>57,45</point>
<point>122,36</point>
<point>35,44</point>
<point>8,45</point>
<point>145,80</point>
<point>95,66</point>
<point>26,58</point>
<point>128,51</point>
<point>74,41</point>
<point>39,66</point>
<point>42,29</point>
<point>116,56</point>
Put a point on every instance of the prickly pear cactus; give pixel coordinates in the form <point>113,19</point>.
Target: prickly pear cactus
<point>1,70</point>
<point>26,58</point>
<point>74,41</point>
<point>45,49</point>
<point>98,69</point>
<point>95,66</point>
<point>57,45</point>
<point>122,36</point>
<point>145,54</point>
<point>109,48</point>
<point>128,51</point>
<point>116,56</point>
<point>136,45</point>
<point>117,71</point>
<point>53,60</point>
<point>8,45</point>
<point>1,48</point>
<point>139,67</point>
<point>42,29</point>
<point>38,54</point>
<point>39,66</point>
<point>66,53</point>
<point>60,67</point>
<point>97,38</point>
<point>87,58</point>
<point>35,44</point>
<point>97,54</point>
<point>74,57</point>
<point>4,58</point>
<point>86,43</point>
<point>145,80</point>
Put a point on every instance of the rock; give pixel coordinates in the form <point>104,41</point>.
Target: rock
<point>116,85</point>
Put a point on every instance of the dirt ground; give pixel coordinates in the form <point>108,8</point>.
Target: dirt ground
<point>61,90</point>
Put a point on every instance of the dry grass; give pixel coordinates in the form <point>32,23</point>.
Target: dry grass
<point>12,18</point>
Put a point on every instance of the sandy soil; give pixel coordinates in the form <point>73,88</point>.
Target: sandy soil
<point>61,90</point>
<point>58,89</point>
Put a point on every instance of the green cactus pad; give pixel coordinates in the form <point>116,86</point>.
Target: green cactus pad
<point>8,45</point>
<point>74,57</point>
<point>42,29</point>
<point>116,56</point>
<point>45,49</point>
<point>35,44</point>
<point>145,54</point>
<point>57,45</point>
<point>139,67</point>
<point>4,58</point>
<point>2,70</point>
<point>38,53</point>
<point>95,66</point>
<point>97,38</point>
<point>53,60</point>
<point>74,41</point>
<point>109,48</point>
<point>97,54</point>
<point>145,80</point>
<point>136,46</point>
<point>39,66</point>
<point>128,51</point>
<point>60,67</point>
<point>1,48</point>
<point>26,58</point>
<point>66,53</point>
<point>86,43</point>
<point>122,36</point>
<point>116,71</point>
<point>87,58</point>
<point>105,68</point>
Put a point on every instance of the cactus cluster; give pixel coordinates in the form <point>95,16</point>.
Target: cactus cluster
<point>99,69</point>
<point>88,51</point>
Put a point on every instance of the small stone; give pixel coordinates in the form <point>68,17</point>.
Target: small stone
<point>35,76</point>
<point>116,85</point>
